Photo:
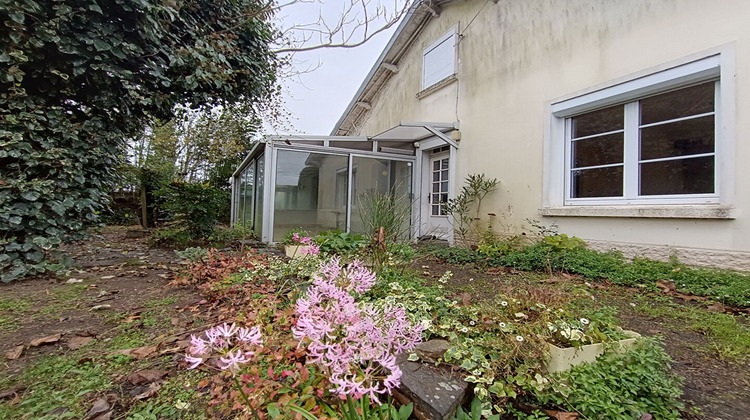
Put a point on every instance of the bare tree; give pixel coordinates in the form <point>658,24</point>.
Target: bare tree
<point>355,23</point>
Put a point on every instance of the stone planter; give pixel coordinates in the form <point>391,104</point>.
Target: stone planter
<point>295,251</point>
<point>561,359</point>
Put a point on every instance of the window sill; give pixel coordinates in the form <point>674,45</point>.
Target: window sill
<point>437,86</point>
<point>655,212</point>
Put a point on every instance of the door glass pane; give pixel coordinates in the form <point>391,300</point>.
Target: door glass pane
<point>599,182</point>
<point>384,179</point>
<point>693,100</point>
<point>603,150</point>
<point>597,122</point>
<point>305,193</point>
<point>681,138</point>
<point>247,213</point>
<point>680,176</point>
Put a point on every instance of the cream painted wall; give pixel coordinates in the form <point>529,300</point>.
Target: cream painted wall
<point>518,56</point>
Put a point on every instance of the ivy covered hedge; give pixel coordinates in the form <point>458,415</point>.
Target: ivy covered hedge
<point>78,78</point>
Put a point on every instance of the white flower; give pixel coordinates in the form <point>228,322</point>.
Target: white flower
<point>519,338</point>
<point>584,321</point>
<point>502,325</point>
<point>472,323</point>
<point>464,330</point>
<point>504,303</point>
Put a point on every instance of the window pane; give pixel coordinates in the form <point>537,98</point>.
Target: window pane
<point>600,182</point>
<point>597,122</point>
<point>682,138</point>
<point>259,188</point>
<point>694,100</point>
<point>681,176</point>
<point>596,151</point>
<point>305,193</point>
<point>439,62</point>
<point>382,176</point>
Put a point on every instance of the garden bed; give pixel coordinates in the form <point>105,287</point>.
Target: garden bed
<point>700,341</point>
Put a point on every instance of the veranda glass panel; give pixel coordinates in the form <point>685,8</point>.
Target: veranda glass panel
<point>259,187</point>
<point>305,192</point>
<point>380,177</point>
<point>247,214</point>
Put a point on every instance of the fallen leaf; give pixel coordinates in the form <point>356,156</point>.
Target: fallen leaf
<point>74,281</point>
<point>101,410</point>
<point>12,392</point>
<point>54,338</point>
<point>98,307</point>
<point>666,286</point>
<point>75,343</point>
<point>152,389</point>
<point>15,353</point>
<point>716,307</point>
<point>106,277</point>
<point>146,376</point>
<point>130,319</point>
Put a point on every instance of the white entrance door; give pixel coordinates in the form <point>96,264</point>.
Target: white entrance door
<point>437,176</point>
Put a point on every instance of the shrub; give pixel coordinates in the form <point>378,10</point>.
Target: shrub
<point>338,242</point>
<point>170,237</point>
<point>619,386</point>
<point>195,207</point>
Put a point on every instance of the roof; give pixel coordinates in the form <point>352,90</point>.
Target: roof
<point>421,12</point>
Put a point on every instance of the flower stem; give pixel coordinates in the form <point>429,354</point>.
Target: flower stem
<point>244,397</point>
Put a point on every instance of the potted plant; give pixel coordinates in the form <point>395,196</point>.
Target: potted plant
<point>298,243</point>
<point>583,341</point>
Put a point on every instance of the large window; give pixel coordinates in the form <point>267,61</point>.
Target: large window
<point>660,139</point>
<point>662,145</point>
<point>439,60</point>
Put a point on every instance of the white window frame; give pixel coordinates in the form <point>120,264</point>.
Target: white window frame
<point>451,34</point>
<point>716,65</point>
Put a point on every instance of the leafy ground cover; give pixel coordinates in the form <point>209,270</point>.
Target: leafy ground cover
<point>132,364</point>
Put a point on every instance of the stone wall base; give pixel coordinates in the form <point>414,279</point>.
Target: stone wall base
<point>734,260</point>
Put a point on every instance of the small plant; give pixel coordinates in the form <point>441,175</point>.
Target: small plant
<point>337,242</point>
<point>619,386</point>
<point>389,211</point>
<point>292,236</point>
<point>476,412</point>
<point>475,189</point>
<point>171,237</point>
<point>193,254</point>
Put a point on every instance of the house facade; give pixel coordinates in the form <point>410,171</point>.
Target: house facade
<point>620,122</point>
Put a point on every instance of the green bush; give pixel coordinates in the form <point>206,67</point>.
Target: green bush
<point>619,386</point>
<point>338,242</point>
<point>170,237</point>
<point>194,207</point>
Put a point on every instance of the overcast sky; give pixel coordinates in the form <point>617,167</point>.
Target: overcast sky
<point>317,99</point>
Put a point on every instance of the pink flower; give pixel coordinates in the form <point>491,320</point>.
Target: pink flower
<point>193,361</point>
<point>232,360</point>
<point>232,344</point>
<point>249,335</point>
<point>357,341</point>
<point>310,250</point>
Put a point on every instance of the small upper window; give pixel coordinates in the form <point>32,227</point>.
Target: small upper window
<point>439,60</point>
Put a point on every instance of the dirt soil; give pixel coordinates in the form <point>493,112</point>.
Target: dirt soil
<point>713,389</point>
<point>116,276</point>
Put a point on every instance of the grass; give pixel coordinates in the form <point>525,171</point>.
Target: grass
<point>10,311</point>
<point>728,287</point>
<point>728,337</point>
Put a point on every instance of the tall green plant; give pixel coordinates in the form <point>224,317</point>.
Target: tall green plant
<point>390,211</point>
<point>475,189</point>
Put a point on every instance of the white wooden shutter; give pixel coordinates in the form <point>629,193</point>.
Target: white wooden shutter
<point>439,60</point>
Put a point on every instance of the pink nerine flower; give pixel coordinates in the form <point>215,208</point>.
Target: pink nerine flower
<point>311,250</point>
<point>231,342</point>
<point>357,341</point>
